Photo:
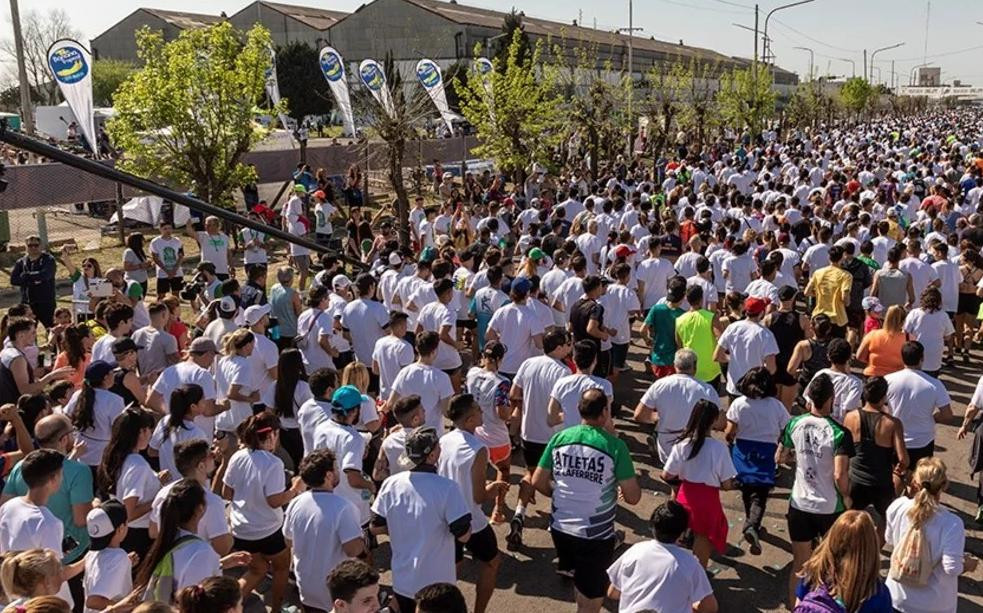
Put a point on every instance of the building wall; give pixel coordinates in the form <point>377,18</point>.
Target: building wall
<point>119,42</point>
<point>283,28</point>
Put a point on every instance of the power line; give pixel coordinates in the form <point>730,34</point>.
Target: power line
<point>702,8</point>
<point>743,6</point>
<point>815,40</point>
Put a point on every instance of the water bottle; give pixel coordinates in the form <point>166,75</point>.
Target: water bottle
<point>273,330</point>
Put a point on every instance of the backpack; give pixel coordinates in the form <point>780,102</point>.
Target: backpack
<point>161,586</point>
<point>819,600</point>
<point>911,561</point>
<point>302,341</point>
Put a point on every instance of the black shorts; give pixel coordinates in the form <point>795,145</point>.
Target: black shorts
<point>450,372</point>
<point>169,284</point>
<point>855,318</point>
<point>839,331</point>
<point>344,359</point>
<point>969,304</point>
<point>878,496</point>
<point>805,527</point>
<point>588,559</point>
<point>619,355</point>
<point>603,368</point>
<point>268,545</point>
<point>483,546</point>
<point>918,453</point>
<point>532,453</point>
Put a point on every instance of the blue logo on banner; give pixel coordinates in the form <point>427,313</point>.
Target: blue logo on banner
<point>484,65</point>
<point>372,76</point>
<point>68,65</point>
<point>428,74</point>
<point>332,67</point>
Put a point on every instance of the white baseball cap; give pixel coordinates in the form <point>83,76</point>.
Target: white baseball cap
<point>341,282</point>
<point>255,313</point>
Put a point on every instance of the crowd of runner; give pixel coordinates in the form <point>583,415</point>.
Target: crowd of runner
<point>797,295</point>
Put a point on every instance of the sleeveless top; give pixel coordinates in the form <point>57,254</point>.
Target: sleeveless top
<point>121,390</point>
<point>785,326</point>
<point>872,463</point>
<point>9,393</point>
<point>281,307</point>
<point>892,287</point>
<point>816,362</point>
<point>695,330</point>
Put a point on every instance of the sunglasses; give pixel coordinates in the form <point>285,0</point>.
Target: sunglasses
<point>33,244</point>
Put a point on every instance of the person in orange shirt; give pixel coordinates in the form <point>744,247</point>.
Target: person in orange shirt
<point>881,349</point>
<point>78,350</point>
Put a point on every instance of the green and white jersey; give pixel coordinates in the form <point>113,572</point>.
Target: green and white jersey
<point>816,441</point>
<point>587,464</point>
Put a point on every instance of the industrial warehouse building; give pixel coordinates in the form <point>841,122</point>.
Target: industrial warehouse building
<point>446,32</point>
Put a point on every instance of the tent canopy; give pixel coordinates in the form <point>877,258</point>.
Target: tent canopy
<point>147,209</point>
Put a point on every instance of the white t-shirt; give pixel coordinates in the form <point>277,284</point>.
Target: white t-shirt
<point>394,446</point>
<point>322,218</point>
<point>654,273</point>
<point>315,324</point>
<point>946,537</point>
<point>183,373</point>
<point>711,466</point>
<point>431,384</point>
<point>516,325</point>
<point>618,302</point>
<point>106,408</point>
<point>265,355</point>
<point>738,271</point>
<point>215,249</point>
<point>921,274</point>
<point>336,304</point>
<point>658,577</point>
<point>368,321</point>
<point>458,450</point>
<point>194,561</point>
<point>758,419</point>
<point>26,526</point>
<point>292,212</point>
<point>490,391</point>
<point>419,507</point>
<point>234,370</point>
<point>137,480</point>
<point>102,349</point>
<point>252,253</point>
<point>536,378</point>
<point>761,288</point>
<point>433,317</point>
<point>391,354</point>
<point>211,525</point>
<point>254,475</point>
<point>302,393</point>
<point>309,416</point>
<point>748,343</point>
<point>167,251</point>
<point>318,523</point>
<point>164,445</point>
<point>107,574</point>
<point>673,398</point>
<point>930,328</point>
<point>568,391</point>
<point>913,397</point>
<point>848,390</point>
<point>348,447</point>
<point>948,273</point>
<point>569,292</point>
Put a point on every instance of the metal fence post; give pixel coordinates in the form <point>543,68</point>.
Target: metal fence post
<point>42,228</point>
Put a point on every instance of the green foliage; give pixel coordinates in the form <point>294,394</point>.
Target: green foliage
<point>515,108</point>
<point>301,81</point>
<point>807,106</point>
<point>188,115</point>
<point>107,76</point>
<point>746,98</point>
<point>502,46</point>
<point>669,88</point>
<point>856,94</point>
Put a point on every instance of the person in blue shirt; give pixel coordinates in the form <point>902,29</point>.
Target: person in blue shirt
<point>844,570</point>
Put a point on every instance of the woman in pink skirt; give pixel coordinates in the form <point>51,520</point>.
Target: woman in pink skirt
<point>704,467</point>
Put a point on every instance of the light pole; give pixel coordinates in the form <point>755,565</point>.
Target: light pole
<point>812,58</point>
<point>767,54</point>
<point>488,43</point>
<point>25,86</point>
<point>878,69</point>
<point>852,63</point>
<point>631,73</point>
<point>911,75</point>
<point>876,51</point>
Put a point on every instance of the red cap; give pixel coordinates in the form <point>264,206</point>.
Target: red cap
<point>755,306</point>
<point>623,251</point>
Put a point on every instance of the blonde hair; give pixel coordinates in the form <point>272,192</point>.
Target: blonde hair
<point>357,374</point>
<point>237,338</point>
<point>153,607</point>
<point>22,573</point>
<point>847,560</point>
<point>41,604</point>
<point>894,318</point>
<point>930,480</point>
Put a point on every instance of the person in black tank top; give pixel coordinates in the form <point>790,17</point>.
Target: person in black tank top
<point>126,383</point>
<point>786,325</point>
<point>809,356</point>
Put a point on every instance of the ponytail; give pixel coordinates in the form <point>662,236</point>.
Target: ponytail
<point>930,477</point>
<point>84,417</point>
<point>257,429</point>
<point>179,507</point>
<point>122,442</point>
<point>182,399</point>
<point>213,595</point>
<point>22,572</point>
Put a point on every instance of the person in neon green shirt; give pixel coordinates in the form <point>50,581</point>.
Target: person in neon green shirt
<point>698,330</point>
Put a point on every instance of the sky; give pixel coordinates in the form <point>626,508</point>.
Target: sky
<point>834,29</point>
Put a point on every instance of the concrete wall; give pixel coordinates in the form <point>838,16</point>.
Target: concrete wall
<point>283,28</point>
<point>119,42</point>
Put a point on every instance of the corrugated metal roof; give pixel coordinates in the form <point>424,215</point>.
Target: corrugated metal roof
<point>319,19</point>
<point>184,20</point>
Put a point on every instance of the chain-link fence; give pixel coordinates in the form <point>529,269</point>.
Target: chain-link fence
<point>84,225</point>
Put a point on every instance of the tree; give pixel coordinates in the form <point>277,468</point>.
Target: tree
<point>188,116</point>
<point>669,87</point>
<point>856,94</point>
<point>746,98</point>
<point>396,128</point>
<point>40,30</point>
<point>514,109</point>
<point>301,81</point>
<point>807,105</point>
<point>699,115</point>
<point>107,76</point>
<point>502,44</point>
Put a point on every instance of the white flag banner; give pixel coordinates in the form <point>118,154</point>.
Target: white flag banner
<point>433,81</point>
<point>71,66</point>
<point>333,69</point>
<point>374,78</point>
<point>484,67</point>
<point>273,91</point>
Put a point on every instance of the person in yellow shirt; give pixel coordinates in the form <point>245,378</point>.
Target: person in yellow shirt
<point>830,286</point>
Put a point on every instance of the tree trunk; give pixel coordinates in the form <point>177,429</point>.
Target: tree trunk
<point>594,150</point>
<point>402,198</point>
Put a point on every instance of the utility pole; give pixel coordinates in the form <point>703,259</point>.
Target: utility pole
<point>865,64</point>
<point>631,73</point>
<point>25,86</point>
